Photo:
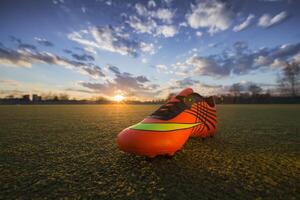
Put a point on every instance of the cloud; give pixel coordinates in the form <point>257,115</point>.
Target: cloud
<point>14,58</point>
<point>145,26</point>
<point>151,4</point>
<point>285,50</point>
<point>144,60</point>
<point>15,39</point>
<point>240,46</point>
<point>214,15</point>
<point>277,57</point>
<point>296,58</point>
<point>153,22</point>
<point>114,40</point>
<point>238,60</point>
<point>149,26</point>
<point>68,51</point>
<point>127,76</point>
<point>187,82</point>
<point>207,66</point>
<point>27,46</point>
<point>167,31</point>
<point>263,60</point>
<point>83,9</point>
<point>83,57</point>
<point>90,69</point>
<point>164,14</point>
<point>267,20</point>
<point>245,24</point>
<point>114,69</point>
<point>147,47</point>
<point>199,34</point>
<point>44,42</point>
<point>167,2</point>
<point>213,45</point>
<point>122,82</point>
<point>183,24</point>
<point>162,68</point>
<point>141,9</point>
<point>79,90</point>
<point>22,45</point>
<point>108,2</point>
<point>25,58</point>
<point>101,88</point>
<point>278,63</point>
<point>10,83</point>
<point>110,39</point>
<point>142,79</point>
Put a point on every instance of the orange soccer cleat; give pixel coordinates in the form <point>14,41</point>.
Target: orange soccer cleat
<point>167,129</point>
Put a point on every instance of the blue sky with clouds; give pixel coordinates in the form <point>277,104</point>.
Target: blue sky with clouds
<point>144,49</point>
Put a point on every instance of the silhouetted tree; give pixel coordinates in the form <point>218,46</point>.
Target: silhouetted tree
<point>290,80</point>
<point>235,89</point>
<point>63,97</point>
<point>48,96</point>
<point>254,89</point>
<point>55,98</point>
<point>101,99</point>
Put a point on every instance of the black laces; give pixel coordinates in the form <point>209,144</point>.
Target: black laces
<point>171,108</point>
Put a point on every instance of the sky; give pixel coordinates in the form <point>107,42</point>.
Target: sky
<point>144,49</point>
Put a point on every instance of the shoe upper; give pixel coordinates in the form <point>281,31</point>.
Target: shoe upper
<point>187,107</point>
<point>184,111</point>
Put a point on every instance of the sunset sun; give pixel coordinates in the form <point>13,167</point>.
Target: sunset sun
<point>118,98</point>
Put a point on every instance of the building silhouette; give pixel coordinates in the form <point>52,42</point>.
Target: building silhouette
<point>36,98</point>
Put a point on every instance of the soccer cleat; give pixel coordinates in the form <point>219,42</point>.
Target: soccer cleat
<point>167,129</point>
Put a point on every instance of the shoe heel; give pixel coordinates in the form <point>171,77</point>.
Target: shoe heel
<point>202,134</point>
<point>212,133</point>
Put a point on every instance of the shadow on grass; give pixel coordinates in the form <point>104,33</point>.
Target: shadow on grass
<point>185,175</point>
<point>210,169</point>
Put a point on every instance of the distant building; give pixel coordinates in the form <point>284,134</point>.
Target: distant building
<point>26,98</point>
<point>36,98</point>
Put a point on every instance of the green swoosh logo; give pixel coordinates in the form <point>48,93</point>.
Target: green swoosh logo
<point>162,126</point>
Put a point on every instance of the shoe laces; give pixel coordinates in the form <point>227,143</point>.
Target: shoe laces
<point>172,107</point>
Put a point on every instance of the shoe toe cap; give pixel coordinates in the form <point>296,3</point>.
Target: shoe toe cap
<point>151,142</point>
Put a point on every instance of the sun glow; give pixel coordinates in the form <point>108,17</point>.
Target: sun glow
<point>118,98</point>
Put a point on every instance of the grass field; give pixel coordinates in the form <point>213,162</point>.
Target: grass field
<point>70,151</point>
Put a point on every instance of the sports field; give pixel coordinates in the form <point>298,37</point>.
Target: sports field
<point>70,151</point>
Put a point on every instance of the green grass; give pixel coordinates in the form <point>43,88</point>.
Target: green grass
<point>70,151</point>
